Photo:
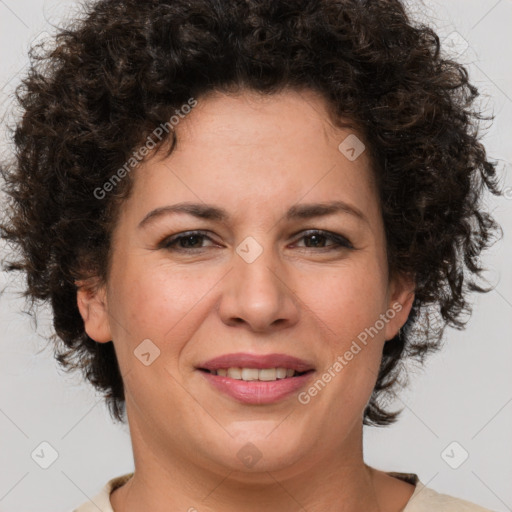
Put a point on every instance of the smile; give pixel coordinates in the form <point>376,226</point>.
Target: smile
<point>251,374</point>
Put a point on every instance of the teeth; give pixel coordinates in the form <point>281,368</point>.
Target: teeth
<point>235,373</point>
<point>281,373</point>
<point>249,374</point>
<point>268,374</point>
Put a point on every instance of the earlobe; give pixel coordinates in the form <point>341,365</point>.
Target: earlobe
<point>400,304</point>
<point>92,304</point>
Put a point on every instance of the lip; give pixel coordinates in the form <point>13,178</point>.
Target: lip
<point>257,392</point>
<point>244,360</point>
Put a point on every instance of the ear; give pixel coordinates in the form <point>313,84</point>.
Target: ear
<point>401,298</point>
<point>92,304</point>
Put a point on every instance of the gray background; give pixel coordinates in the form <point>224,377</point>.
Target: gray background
<point>463,395</point>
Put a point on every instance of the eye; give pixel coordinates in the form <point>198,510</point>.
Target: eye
<point>188,241</point>
<point>318,237</point>
<point>192,241</point>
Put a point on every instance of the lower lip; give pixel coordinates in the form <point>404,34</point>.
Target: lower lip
<point>255,391</point>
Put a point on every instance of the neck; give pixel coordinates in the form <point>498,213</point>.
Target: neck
<point>348,490</point>
<point>173,480</point>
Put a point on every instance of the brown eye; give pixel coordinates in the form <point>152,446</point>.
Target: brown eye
<point>318,238</point>
<point>189,241</point>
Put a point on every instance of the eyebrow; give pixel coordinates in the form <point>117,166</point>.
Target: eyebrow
<point>215,213</point>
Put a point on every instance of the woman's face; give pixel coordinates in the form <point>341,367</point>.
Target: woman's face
<point>254,282</point>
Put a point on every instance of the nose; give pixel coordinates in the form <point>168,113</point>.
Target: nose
<point>259,294</point>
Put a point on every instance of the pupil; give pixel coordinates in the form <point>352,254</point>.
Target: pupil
<point>315,239</point>
<point>188,239</point>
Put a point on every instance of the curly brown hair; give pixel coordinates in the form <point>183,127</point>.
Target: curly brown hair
<point>125,66</point>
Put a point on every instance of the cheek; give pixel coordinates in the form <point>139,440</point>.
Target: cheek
<point>347,305</point>
<point>156,302</point>
<point>347,300</point>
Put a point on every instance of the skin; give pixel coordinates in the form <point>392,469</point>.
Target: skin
<point>255,157</point>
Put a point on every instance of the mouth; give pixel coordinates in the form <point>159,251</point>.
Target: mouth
<point>256,374</point>
<point>257,379</point>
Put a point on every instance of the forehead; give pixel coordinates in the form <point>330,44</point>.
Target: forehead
<point>250,149</point>
<point>255,119</point>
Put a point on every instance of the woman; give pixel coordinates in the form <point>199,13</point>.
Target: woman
<point>242,213</point>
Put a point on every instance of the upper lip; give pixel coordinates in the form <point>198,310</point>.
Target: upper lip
<point>243,360</point>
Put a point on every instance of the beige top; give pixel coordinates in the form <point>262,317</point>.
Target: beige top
<point>423,499</point>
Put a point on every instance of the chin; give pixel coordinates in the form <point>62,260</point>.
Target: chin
<point>260,450</point>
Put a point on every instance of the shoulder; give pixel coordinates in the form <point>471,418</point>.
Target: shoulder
<point>101,501</point>
<point>425,499</point>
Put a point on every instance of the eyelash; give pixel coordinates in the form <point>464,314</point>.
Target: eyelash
<point>340,242</point>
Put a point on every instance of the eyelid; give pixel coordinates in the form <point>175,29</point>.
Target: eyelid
<point>340,241</point>
<point>183,234</point>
